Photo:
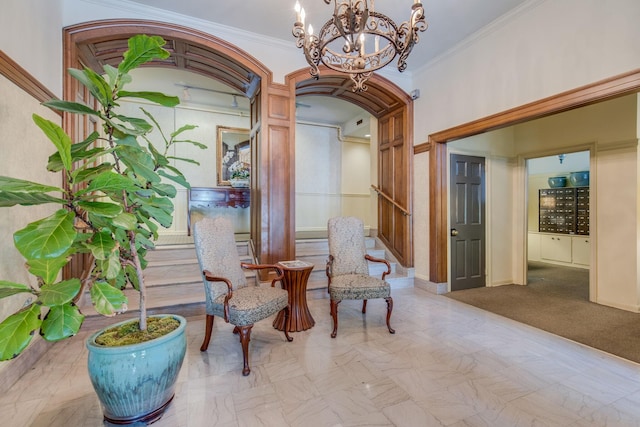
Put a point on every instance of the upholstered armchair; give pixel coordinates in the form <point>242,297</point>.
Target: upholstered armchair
<point>228,294</point>
<point>348,269</point>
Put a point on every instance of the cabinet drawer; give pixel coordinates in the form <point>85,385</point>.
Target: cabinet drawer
<point>207,195</point>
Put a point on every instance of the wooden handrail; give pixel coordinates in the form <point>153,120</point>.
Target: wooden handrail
<point>381,193</point>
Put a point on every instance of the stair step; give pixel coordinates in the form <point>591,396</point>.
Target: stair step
<point>173,275</point>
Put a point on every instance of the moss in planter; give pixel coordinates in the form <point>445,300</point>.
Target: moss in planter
<point>130,333</point>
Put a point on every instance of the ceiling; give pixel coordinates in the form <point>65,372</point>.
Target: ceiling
<point>449,23</point>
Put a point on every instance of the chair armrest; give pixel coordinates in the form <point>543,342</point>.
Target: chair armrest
<point>211,278</point>
<point>329,265</point>
<point>374,259</point>
<point>280,273</point>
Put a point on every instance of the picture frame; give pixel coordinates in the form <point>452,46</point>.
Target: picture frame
<point>233,145</point>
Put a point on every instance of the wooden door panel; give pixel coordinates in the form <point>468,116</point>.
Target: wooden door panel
<point>468,257</point>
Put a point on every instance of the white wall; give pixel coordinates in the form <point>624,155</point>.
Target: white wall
<point>333,177</point>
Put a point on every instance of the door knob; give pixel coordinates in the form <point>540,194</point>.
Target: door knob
<point>454,232</point>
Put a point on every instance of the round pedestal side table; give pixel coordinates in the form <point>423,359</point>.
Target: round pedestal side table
<point>296,273</point>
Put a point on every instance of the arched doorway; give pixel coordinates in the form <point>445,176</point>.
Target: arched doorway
<point>96,43</point>
<point>393,108</point>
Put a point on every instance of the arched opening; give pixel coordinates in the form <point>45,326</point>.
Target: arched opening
<point>96,43</point>
<point>393,109</point>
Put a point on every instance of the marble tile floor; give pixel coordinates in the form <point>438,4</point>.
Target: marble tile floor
<point>449,364</point>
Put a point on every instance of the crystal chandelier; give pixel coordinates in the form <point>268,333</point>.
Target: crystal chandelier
<point>342,43</point>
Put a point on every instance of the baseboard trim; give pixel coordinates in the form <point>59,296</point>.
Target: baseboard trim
<point>426,285</point>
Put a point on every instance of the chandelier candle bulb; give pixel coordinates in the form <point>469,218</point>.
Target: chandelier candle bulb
<point>297,9</point>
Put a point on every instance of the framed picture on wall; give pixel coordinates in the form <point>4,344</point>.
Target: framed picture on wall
<point>233,155</point>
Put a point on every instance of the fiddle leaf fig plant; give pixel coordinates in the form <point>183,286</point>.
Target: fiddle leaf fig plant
<point>116,193</point>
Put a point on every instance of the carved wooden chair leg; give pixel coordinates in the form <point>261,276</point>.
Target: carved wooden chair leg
<point>287,313</point>
<point>207,332</point>
<point>334,315</point>
<point>236,330</point>
<point>389,310</point>
<point>245,337</point>
<point>364,306</point>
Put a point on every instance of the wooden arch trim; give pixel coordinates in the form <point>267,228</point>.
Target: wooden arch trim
<point>620,85</point>
<point>381,97</point>
<point>96,43</point>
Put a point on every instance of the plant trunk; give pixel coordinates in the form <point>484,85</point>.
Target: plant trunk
<point>142,290</point>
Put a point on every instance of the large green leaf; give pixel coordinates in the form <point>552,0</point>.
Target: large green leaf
<point>49,237</point>
<point>48,268</point>
<point>10,288</point>
<point>155,97</point>
<point>70,107</point>
<point>58,136</point>
<point>101,245</point>
<point>106,209</point>
<point>183,129</point>
<point>137,126</point>
<point>14,185</point>
<point>165,190</point>
<point>110,181</point>
<point>139,162</point>
<point>79,151</point>
<point>17,330</point>
<point>90,173</point>
<point>107,300</point>
<point>125,221</point>
<point>95,83</point>
<point>179,179</point>
<point>142,49</point>
<point>27,199</point>
<point>110,267</point>
<point>59,293</point>
<point>62,321</point>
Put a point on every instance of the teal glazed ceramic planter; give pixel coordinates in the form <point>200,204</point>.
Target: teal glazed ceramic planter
<point>557,181</point>
<point>135,383</point>
<point>579,179</point>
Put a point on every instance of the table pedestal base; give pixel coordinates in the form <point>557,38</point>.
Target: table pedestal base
<point>296,274</point>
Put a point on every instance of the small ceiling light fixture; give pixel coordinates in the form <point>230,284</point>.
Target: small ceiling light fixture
<point>340,44</point>
<point>561,158</point>
<point>234,102</point>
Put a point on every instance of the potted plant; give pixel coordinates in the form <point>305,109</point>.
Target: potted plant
<point>240,172</point>
<point>116,194</point>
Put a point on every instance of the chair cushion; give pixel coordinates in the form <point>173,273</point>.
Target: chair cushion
<point>347,246</point>
<point>250,304</point>
<point>358,286</point>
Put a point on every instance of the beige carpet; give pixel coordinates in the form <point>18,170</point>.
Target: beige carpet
<point>556,300</point>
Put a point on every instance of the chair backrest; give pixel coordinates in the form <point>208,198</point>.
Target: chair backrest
<point>347,246</point>
<point>217,252</point>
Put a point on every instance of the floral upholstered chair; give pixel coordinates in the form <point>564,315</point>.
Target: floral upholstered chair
<point>348,269</point>
<point>228,294</point>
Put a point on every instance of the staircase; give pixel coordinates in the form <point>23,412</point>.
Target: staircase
<point>173,276</point>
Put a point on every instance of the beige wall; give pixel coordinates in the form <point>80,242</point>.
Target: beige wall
<point>516,61</point>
